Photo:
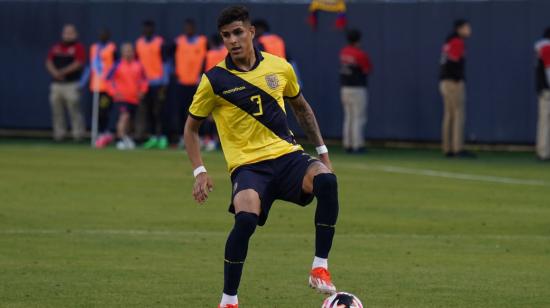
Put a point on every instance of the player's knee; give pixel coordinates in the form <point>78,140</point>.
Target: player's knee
<point>246,222</point>
<point>325,184</point>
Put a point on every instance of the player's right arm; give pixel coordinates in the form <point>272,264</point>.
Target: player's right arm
<point>201,107</point>
<point>203,184</point>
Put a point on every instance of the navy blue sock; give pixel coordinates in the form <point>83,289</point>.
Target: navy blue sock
<point>325,189</point>
<point>236,248</point>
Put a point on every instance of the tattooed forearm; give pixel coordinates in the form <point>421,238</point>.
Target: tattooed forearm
<point>306,118</point>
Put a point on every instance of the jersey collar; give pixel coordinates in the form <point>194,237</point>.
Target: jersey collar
<point>230,65</point>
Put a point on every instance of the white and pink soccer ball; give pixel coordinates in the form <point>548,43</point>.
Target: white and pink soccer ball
<point>342,300</point>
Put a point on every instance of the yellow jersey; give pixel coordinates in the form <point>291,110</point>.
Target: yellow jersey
<point>248,108</point>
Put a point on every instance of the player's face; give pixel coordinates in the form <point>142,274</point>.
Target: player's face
<point>237,38</point>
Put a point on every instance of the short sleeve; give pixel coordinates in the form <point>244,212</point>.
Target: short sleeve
<point>292,88</point>
<point>456,49</point>
<point>51,53</point>
<point>204,100</point>
<point>80,54</point>
<point>545,56</point>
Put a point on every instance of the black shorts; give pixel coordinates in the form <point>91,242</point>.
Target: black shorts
<point>275,179</point>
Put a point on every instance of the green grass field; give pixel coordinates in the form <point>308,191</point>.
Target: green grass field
<point>89,228</point>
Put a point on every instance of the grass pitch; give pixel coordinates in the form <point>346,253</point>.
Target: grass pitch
<point>88,228</point>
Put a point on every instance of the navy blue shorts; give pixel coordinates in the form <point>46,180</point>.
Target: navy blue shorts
<point>275,179</point>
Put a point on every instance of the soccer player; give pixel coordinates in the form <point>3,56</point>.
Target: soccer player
<point>245,93</point>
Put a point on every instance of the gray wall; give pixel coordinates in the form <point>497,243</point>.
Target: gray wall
<point>404,41</point>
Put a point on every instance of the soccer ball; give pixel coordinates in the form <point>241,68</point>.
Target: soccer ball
<point>342,300</point>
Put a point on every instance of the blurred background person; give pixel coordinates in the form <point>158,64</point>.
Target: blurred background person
<point>103,55</point>
<point>128,85</point>
<point>153,54</point>
<point>355,67</point>
<point>65,63</point>
<point>216,52</point>
<point>542,49</point>
<point>267,41</point>
<point>190,54</point>
<point>452,88</point>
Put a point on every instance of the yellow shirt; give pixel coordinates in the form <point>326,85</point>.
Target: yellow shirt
<point>248,108</point>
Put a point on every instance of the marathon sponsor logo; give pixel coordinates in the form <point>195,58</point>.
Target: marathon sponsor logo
<point>237,89</point>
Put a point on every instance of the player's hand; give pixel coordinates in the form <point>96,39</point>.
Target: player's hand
<point>203,186</point>
<point>326,160</point>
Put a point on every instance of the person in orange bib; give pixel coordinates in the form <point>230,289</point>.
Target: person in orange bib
<point>216,52</point>
<point>103,55</point>
<point>267,41</point>
<point>152,52</point>
<point>128,84</point>
<point>189,56</point>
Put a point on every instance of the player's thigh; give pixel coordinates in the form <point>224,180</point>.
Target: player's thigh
<point>247,200</point>
<point>313,170</point>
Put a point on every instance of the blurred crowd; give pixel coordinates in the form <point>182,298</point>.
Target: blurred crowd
<point>130,82</point>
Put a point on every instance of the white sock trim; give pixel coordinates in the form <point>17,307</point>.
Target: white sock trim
<point>319,262</point>
<point>229,300</point>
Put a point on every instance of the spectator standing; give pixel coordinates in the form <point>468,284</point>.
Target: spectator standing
<point>152,52</point>
<point>267,41</point>
<point>103,54</point>
<point>128,84</point>
<point>542,49</point>
<point>65,64</point>
<point>189,57</point>
<point>452,80</point>
<point>216,52</point>
<point>355,67</point>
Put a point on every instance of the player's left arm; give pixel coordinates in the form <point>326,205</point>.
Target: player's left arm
<point>306,118</point>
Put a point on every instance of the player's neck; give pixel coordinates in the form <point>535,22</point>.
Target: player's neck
<point>246,63</point>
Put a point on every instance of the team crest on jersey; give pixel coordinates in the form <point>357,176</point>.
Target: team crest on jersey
<point>272,81</point>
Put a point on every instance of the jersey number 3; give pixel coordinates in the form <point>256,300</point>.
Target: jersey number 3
<point>258,100</point>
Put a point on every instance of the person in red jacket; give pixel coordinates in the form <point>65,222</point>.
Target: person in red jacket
<point>128,84</point>
<point>65,64</point>
<point>452,88</point>
<point>354,69</point>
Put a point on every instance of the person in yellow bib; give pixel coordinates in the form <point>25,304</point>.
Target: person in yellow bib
<point>245,94</point>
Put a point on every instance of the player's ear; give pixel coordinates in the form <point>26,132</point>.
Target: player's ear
<point>252,31</point>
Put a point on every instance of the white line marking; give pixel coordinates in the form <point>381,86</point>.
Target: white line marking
<point>183,233</point>
<point>451,175</point>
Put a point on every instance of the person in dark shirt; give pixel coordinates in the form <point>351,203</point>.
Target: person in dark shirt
<point>452,90</point>
<point>65,63</point>
<point>354,69</point>
<point>542,49</point>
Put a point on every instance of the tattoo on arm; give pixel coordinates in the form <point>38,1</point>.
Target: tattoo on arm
<point>306,118</point>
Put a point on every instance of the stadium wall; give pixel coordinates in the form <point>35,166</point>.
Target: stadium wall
<point>403,38</point>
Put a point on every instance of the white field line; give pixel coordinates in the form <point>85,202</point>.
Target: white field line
<point>450,175</point>
<point>182,233</point>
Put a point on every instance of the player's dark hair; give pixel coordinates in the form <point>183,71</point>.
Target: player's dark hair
<point>261,23</point>
<point>546,33</point>
<point>353,36</point>
<point>231,14</point>
<point>457,24</point>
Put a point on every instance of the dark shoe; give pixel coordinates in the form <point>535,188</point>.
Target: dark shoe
<point>465,154</point>
<point>449,154</point>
